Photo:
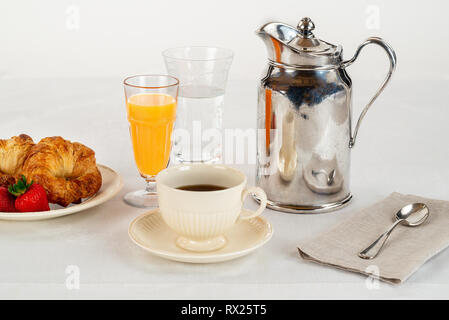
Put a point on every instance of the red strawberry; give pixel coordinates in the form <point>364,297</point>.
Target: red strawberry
<point>6,201</point>
<point>30,197</point>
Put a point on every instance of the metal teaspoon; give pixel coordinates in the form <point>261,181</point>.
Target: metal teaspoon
<point>411,215</point>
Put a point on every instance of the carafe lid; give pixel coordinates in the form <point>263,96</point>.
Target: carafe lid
<point>298,47</point>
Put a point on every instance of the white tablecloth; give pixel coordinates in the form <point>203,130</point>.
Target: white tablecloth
<point>402,146</point>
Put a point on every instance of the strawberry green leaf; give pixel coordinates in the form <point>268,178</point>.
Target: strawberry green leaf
<point>20,187</point>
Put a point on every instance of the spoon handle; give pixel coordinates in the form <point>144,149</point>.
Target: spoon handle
<point>373,249</point>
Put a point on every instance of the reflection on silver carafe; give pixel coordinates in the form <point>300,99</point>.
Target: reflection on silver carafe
<point>288,158</point>
<point>304,109</point>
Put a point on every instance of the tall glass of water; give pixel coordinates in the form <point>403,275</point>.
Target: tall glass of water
<point>203,73</point>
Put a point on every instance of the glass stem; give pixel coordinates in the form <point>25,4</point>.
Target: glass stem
<point>151,184</point>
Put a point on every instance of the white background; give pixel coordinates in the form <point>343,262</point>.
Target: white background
<point>61,69</point>
<point>98,38</point>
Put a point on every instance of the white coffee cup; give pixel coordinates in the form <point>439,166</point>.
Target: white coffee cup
<point>202,217</point>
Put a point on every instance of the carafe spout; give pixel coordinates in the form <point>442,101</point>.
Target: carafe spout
<point>276,37</point>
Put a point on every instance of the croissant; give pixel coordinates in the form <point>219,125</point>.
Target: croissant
<point>66,170</point>
<point>13,153</point>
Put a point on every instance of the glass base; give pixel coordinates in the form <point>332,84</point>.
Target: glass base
<point>141,199</point>
<point>181,160</point>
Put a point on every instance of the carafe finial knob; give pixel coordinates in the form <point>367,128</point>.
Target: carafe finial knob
<point>305,27</point>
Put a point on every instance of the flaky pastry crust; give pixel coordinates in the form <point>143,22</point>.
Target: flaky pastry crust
<point>13,153</point>
<point>66,170</point>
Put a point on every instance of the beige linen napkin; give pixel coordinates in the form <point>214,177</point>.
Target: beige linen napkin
<point>405,251</point>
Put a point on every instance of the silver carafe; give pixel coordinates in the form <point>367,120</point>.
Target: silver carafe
<point>304,122</point>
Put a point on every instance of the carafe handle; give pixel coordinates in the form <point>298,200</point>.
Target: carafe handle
<point>392,56</point>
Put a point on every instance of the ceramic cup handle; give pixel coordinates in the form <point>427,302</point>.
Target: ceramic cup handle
<point>247,214</point>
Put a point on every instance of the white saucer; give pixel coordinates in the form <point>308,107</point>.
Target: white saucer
<point>150,232</point>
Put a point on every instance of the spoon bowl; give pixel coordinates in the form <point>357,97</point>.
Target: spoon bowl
<point>414,214</point>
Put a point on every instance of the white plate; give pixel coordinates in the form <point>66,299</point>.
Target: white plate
<point>111,184</point>
<point>150,232</point>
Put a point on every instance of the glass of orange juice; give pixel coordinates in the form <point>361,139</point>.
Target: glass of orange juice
<point>151,108</point>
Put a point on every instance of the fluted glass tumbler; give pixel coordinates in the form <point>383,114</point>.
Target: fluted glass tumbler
<point>203,73</point>
<point>151,109</point>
